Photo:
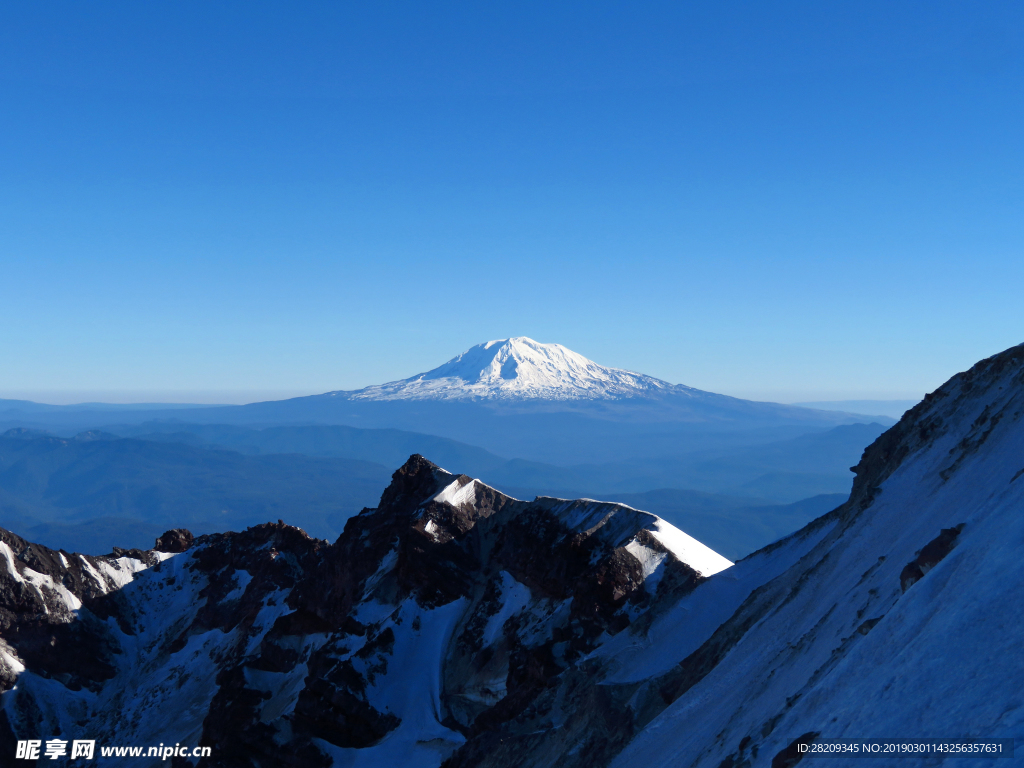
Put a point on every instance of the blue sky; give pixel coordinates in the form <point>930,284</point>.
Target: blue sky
<point>231,201</point>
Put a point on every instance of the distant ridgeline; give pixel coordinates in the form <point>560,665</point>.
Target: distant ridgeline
<point>96,490</point>
<point>529,418</point>
<point>517,398</point>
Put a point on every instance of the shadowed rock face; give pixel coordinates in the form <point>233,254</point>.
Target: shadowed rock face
<point>294,647</point>
<point>930,556</point>
<point>40,593</point>
<point>177,540</point>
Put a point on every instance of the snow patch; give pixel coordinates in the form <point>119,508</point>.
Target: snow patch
<point>514,598</point>
<point>242,579</point>
<point>39,581</point>
<point>120,571</point>
<point>432,529</point>
<point>284,689</point>
<point>457,494</point>
<point>8,555</point>
<point>9,659</point>
<point>687,549</point>
<point>411,690</point>
<point>387,564</point>
<point>650,561</point>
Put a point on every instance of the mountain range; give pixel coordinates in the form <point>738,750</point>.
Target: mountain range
<point>534,419</point>
<point>454,625</point>
<point>517,398</point>
<point>97,490</point>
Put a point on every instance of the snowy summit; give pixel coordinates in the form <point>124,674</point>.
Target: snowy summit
<point>517,369</point>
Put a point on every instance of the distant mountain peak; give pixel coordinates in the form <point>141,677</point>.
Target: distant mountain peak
<point>518,368</point>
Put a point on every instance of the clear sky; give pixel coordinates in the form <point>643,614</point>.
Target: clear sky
<point>229,201</point>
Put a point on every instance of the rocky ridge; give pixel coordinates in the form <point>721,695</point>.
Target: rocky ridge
<point>434,619</point>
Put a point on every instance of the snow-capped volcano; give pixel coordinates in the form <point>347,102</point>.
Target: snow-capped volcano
<point>518,369</point>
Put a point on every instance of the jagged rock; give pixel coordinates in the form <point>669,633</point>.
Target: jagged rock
<point>290,643</point>
<point>176,540</point>
<point>930,556</point>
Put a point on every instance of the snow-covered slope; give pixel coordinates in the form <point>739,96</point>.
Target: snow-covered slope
<point>518,369</point>
<point>897,616</point>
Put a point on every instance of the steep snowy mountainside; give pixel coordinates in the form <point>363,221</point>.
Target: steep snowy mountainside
<point>518,368</point>
<point>897,615</point>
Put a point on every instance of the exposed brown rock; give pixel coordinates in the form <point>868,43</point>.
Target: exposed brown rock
<point>175,540</point>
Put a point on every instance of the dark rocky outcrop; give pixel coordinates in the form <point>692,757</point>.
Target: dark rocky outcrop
<point>305,632</point>
<point>929,556</point>
<point>176,540</point>
<point>792,755</point>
